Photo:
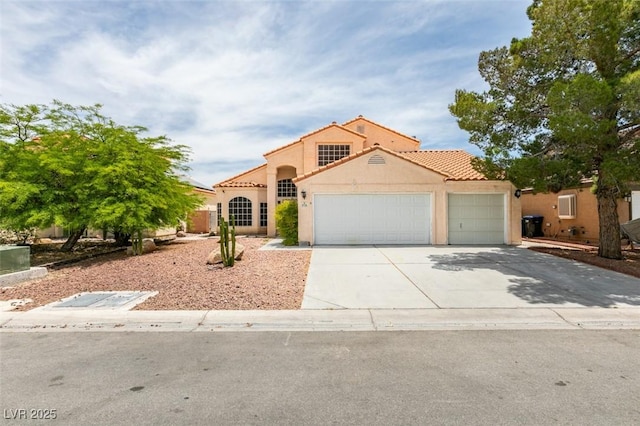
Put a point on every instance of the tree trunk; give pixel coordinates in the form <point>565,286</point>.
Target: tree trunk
<point>610,245</point>
<point>72,240</point>
<point>122,238</point>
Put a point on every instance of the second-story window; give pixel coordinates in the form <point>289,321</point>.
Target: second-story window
<point>330,153</point>
<point>286,189</point>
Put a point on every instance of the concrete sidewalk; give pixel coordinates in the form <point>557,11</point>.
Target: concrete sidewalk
<point>322,320</point>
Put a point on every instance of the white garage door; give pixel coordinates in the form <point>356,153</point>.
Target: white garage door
<point>476,219</point>
<point>635,205</point>
<point>372,218</point>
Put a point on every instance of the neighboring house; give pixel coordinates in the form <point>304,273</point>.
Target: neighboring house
<point>204,219</point>
<point>363,183</point>
<point>572,214</point>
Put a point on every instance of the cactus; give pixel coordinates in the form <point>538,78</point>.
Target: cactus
<point>224,241</point>
<point>228,254</point>
<point>233,240</point>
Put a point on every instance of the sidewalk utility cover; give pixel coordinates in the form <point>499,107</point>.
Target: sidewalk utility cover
<point>104,300</point>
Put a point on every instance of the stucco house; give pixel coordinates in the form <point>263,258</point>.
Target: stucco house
<point>363,183</point>
<point>204,219</point>
<point>572,214</point>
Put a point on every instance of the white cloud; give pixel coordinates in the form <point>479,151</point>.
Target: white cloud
<point>236,79</point>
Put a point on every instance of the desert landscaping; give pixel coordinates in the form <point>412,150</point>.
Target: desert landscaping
<point>178,271</point>
<point>263,279</point>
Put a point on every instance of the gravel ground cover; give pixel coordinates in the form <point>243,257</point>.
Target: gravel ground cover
<point>267,279</point>
<point>629,264</point>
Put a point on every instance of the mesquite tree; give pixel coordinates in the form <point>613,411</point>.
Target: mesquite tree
<point>73,167</point>
<point>564,104</point>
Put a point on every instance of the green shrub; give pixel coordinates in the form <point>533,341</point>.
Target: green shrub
<point>287,222</point>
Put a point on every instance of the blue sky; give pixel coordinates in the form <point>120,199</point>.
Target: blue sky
<point>235,79</point>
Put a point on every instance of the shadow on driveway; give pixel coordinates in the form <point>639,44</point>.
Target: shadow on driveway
<point>539,278</point>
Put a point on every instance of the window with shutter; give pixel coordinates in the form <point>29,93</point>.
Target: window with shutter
<point>567,206</point>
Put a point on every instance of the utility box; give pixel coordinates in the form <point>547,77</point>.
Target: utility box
<point>14,259</point>
<point>532,226</point>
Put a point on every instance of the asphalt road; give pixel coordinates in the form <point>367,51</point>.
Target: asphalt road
<point>441,377</point>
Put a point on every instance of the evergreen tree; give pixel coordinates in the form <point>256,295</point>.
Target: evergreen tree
<point>564,104</point>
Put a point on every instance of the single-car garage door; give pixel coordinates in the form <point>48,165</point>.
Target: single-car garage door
<point>372,218</point>
<point>476,219</point>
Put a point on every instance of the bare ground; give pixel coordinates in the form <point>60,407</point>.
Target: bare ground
<point>261,280</point>
<point>630,264</point>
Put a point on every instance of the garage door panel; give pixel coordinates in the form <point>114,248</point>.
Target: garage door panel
<point>372,219</point>
<point>496,212</point>
<point>476,219</point>
<point>635,205</point>
<point>489,225</point>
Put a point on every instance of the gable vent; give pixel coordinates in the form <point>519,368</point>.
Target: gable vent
<point>376,159</point>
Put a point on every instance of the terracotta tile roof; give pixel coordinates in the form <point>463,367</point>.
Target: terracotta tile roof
<point>381,126</point>
<point>282,147</point>
<point>456,164</point>
<point>313,133</point>
<point>451,164</point>
<point>335,163</point>
<point>233,180</point>
<point>334,124</point>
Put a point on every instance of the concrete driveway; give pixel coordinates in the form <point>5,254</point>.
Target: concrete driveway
<point>382,277</point>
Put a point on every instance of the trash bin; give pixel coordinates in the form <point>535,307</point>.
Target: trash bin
<point>532,226</point>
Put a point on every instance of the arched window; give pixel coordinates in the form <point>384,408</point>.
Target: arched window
<point>240,208</point>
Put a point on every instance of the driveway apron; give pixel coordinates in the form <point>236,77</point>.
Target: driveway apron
<point>358,278</point>
<point>393,277</point>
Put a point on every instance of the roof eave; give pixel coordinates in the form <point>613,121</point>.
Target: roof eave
<point>240,174</point>
<point>359,154</point>
<point>360,117</point>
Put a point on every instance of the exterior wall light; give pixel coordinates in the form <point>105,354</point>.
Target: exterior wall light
<point>304,194</point>
<point>518,193</point>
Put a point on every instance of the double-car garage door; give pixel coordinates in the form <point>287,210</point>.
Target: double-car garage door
<point>372,218</point>
<point>406,219</point>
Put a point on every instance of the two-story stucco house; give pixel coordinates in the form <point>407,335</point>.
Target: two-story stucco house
<point>363,183</point>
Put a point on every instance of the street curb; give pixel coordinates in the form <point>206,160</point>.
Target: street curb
<point>324,320</point>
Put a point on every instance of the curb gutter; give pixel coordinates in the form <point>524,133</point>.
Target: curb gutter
<point>323,320</point>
